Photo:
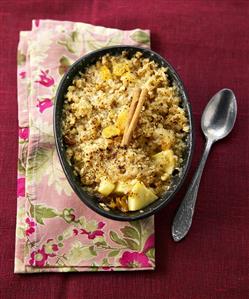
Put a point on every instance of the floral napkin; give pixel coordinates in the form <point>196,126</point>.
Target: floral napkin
<point>55,231</point>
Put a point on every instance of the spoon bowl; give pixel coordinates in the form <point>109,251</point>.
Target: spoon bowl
<point>219,115</point>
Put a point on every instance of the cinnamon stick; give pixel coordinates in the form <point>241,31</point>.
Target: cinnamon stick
<point>143,96</point>
<point>133,106</point>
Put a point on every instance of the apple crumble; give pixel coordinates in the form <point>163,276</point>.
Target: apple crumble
<point>124,130</point>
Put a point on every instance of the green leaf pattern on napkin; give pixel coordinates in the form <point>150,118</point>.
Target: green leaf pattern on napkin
<point>21,58</point>
<point>64,64</point>
<point>39,213</point>
<point>140,37</point>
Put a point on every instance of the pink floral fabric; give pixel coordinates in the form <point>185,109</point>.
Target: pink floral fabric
<point>55,231</point>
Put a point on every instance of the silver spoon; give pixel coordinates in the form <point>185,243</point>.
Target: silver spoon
<point>217,122</point>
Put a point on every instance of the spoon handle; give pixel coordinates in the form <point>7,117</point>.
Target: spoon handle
<point>183,218</point>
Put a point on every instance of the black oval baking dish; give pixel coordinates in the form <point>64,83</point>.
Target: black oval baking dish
<point>88,199</point>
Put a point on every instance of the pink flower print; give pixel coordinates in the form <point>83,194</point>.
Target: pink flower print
<point>37,22</point>
<point>22,74</point>
<point>38,258</point>
<point>21,187</point>
<point>44,104</point>
<point>91,234</point>
<point>75,232</point>
<point>51,248</point>
<point>45,79</point>
<point>31,227</point>
<point>101,225</point>
<point>24,133</point>
<point>134,260</point>
<point>150,243</point>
